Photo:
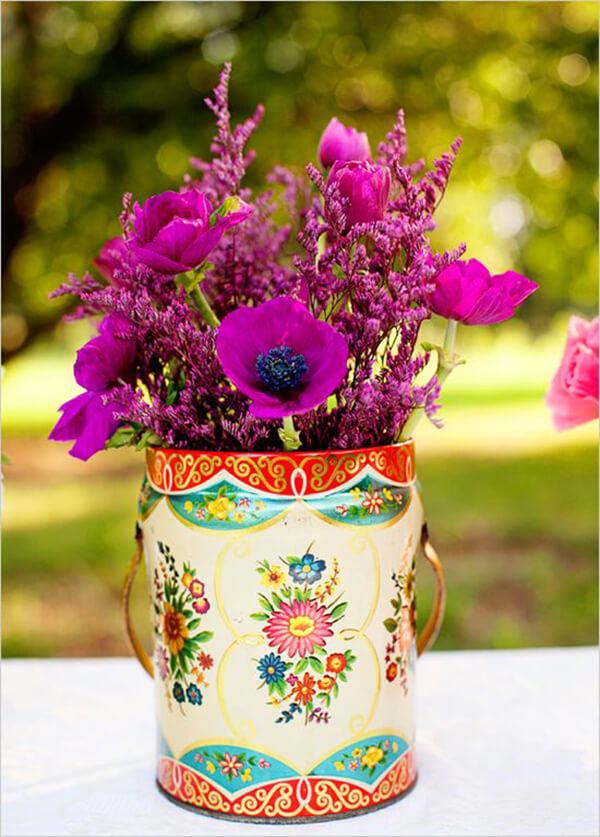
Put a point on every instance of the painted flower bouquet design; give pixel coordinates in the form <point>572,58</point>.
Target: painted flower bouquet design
<point>402,624</point>
<point>233,319</point>
<point>370,500</point>
<point>225,505</point>
<point>368,759</point>
<point>231,765</point>
<point>180,602</point>
<point>302,676</point>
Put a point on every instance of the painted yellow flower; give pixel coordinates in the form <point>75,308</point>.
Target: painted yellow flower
<point>247,775</point>
<point>388,495</point>
<point>357,752</point>
<point>408,588</point>
<point>275,701</point>
<point>186,579</point>
<point>220,507</point>
<point>188,506</point>
<point>259,505</point>
<point>339,765</point>
<point>238,516</point>
<point>394,747</point>
<point>356,492</point>
<point>174,629</point>
<point>210,767</point>
<point>372,757</point>
<point>273,577</point>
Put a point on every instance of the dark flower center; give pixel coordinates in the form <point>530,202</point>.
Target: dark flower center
<point>280,369</point>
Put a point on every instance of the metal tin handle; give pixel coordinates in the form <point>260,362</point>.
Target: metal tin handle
<point>136,646</point>
<point>431,629</point>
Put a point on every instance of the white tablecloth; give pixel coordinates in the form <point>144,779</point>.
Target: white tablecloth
<point>507,744</point>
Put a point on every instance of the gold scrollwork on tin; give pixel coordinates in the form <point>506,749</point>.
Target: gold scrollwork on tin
<point>272,801</point>
<point>268,473</point>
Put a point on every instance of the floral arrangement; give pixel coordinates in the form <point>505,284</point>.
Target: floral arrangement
<point>234,320</point>
<point>301,677</point>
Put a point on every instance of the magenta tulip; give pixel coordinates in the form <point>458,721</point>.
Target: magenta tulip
<point>573,395</point>
<point>365,186</point>
<point>280,356</point>
<point>340,143</point>
<point>468,293</point>
<point>174,232</point>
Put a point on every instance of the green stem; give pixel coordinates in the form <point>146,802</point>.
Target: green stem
<point>204,307</point>
<point>447,360</point>
<point>289,435</point>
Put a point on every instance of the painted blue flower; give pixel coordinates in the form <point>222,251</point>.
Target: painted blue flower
<point>307,569</point>
<point>178,693</point>
<point>194,695</point>
<point>271,668</point>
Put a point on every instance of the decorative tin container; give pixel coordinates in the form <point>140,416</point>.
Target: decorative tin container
<point>283,605</point>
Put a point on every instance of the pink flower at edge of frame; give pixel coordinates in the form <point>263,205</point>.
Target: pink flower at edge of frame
<point>573,393</point>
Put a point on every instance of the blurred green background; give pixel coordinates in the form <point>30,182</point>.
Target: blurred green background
<point>102,98</point>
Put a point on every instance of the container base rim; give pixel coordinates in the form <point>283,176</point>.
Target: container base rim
<point>283,820</point>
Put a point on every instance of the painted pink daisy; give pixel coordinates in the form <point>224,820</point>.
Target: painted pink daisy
<point>298,627</point>
<point>373,502</point>
<point>230,764</point>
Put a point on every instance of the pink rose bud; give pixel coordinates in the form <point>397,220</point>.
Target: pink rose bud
<point>468,293</point>
<point>113,258</point>
<point>573,395</point>
<point>339,143</point>
<point>366,186</point>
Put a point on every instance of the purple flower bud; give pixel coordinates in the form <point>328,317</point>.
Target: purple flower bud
<point>114,256</point>
<point>466,291</point>
<point>281,357</point>
<point>366,186</point>
<point>175,231</point>
<point>339,143</point>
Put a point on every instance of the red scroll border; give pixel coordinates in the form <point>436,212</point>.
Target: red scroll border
<point>283,474</point>
<point>287,799</point>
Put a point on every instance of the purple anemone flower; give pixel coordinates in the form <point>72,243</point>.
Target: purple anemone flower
<point>281,357</point>
<point>89,418</point>
<point>174,232</point>
<point>466,291</point>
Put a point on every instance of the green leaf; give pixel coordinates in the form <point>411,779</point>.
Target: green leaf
<point>260,616</point>
<point>338,611</point>
<point>390,625</point>
<point>342,677</point>
<point>148,439</point>
<point>122,437</point>
<point>318,649</point>
<point>193,624</point>
<point>265,603</point>
<point>301,665</point>
<point>316,664</point>
<point>276,600</point>
<point>280,686</point>
<point>203,636</point>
